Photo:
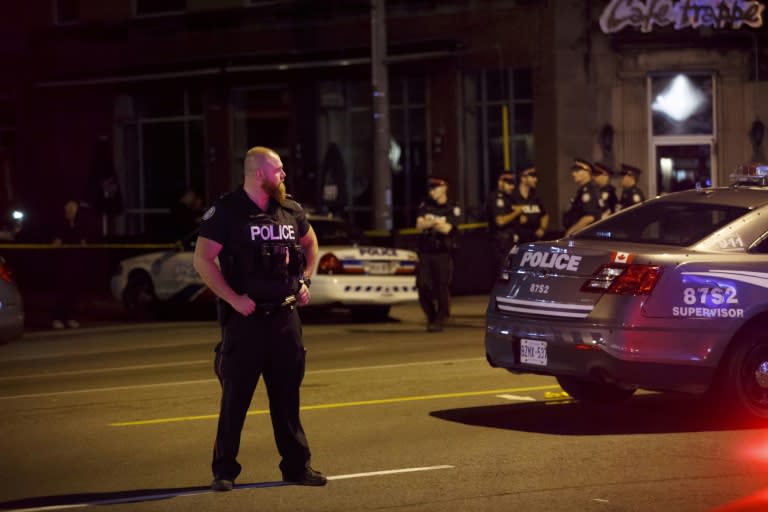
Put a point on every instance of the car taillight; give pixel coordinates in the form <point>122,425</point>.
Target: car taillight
<point>506,269</point>
<point>5,273</point>
<point>623,279</point>
<point>330,264</point>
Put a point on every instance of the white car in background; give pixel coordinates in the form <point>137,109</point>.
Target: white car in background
<point>368,279</point>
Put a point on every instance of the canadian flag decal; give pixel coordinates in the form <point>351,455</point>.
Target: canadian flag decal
<point>622,257</point>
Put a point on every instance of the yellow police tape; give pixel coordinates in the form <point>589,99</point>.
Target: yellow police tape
<point>373,233</point>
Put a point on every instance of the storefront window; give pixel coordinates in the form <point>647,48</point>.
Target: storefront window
<point>486,94</point>
<point>680,167</point>
<point>164,155</point>
<point>345,124</point>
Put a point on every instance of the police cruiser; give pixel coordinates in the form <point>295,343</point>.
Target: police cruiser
<point>368,279</point>
<point>668,295</point>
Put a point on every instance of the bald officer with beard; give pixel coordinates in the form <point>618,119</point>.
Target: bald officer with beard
<point>263,242</point>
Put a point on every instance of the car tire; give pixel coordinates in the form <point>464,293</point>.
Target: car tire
<point>593,391</point>
<point>744,380</point>
<point>139,299</point>
<point>371,313</point>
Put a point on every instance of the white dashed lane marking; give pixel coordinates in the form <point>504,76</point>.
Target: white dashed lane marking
<point>138,498</point>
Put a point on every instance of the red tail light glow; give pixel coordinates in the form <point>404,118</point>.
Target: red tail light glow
<point>330,264</point>
<point>623,279</point>
<point>5,273</point>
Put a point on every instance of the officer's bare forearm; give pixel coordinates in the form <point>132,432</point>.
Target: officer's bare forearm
<point>544,223</point>
<point>309,246</point>
<point>582,222</point>
<point>423,224</point>
<point>503,220</point>
<point>444,227</point>
<point>213,279</point>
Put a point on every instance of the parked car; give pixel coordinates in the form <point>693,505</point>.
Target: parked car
<point>349,272</point>
<point>671,295</point>
<point>11,306</point>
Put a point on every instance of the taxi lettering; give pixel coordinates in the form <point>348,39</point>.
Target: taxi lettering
<point>378,251</point>
<point>272,232</point>
<point>551,260</point>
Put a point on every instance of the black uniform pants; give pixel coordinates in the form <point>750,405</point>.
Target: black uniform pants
<point>268,345</point>
<point>433,280</point>
<point>500,248</point>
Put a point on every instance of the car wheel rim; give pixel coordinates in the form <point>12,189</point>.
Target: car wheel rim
<point>755,377</point>
<point>140,294</point>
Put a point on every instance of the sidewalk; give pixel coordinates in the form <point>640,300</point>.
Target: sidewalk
<point>94,310</point>
<point>101,310</point>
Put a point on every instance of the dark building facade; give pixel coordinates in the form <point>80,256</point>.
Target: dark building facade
<point>150,98</point>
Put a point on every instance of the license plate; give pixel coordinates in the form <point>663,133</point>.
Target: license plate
<point>378,267</point>
<point>533,352</point>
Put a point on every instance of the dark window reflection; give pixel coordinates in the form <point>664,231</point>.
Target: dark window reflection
<point>683,167</point>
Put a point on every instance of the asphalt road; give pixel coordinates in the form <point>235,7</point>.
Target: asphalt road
<point>399,419</point>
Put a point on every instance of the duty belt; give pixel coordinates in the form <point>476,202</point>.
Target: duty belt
<point>270,308</point>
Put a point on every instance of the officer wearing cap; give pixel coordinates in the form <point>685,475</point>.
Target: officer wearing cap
<point>630,192</point>
<point>502,213</point>
<point>437,220</point>
<point>586,206</point>
<point>602,175</point>
<point>263,242</point>
<point>533,222</point>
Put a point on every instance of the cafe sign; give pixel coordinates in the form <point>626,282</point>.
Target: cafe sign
<point>644,14</point>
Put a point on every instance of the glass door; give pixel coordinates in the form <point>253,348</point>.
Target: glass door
<point>682,124</point>
<point>683,166</point>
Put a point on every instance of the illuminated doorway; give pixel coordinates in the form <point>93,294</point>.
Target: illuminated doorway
<point>682,124</point>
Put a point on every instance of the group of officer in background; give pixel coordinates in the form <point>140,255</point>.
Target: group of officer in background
<point>595,197</point>
<point>515,215</point>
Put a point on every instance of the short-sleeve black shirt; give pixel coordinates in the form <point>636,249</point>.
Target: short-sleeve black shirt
<point>499,204</point>
<point>431,240</point>
<point>260,252</point>
<point>533,211</point>
<point>586,201</point>
<point>631,196</point>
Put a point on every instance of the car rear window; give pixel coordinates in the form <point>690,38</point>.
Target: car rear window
<point>680,224</point>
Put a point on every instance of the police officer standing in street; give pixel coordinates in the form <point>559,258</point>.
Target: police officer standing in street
<point>263,242</point>
<point>502,214</point>
<point>586,206</point>
<point>437,220</point>
<point>534,219</point>
<point>630,192</point>
<point>602,175</point>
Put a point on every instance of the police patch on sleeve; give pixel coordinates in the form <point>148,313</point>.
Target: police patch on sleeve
<point>500,202</point>
<point>585,198</point>
<point>636,198</point>
<point>209,213</point>
<point>456,211</point>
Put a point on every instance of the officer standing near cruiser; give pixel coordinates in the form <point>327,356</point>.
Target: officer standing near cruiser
<point>534,219</point>
<point>437,220</point>
<point>502,214</point>
<point>586,206</point>
<point>602,175</point>
<point>263,242</point>
<point>630,192</point>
